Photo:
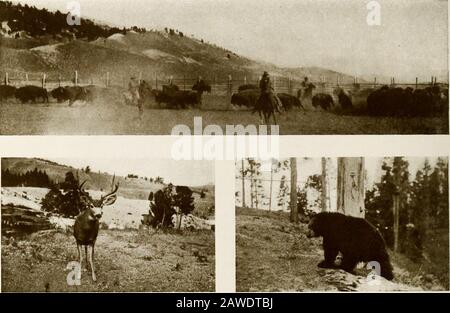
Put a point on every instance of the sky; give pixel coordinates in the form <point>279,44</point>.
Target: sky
<point>189,173</point>
<point>411,40</point>
<point>310,166</point>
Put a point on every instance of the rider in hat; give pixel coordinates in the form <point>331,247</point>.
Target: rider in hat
<point>265,85</point>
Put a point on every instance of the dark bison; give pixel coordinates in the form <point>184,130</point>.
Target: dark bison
<point>343,98</point>
<point>31,93</point>
<point>6,92</point>
<point>397,101</point>
<point>323,100</point>
<point>72,94</point>
<point>247,87</point>
<point>183,99</point>
<point>288,101</point>
<point>245,98</point>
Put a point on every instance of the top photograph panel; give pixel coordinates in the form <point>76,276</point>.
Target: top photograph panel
<point>148,67</point>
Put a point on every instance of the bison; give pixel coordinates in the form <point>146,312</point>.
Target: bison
<point>343,98</point>
<point>31,93</point>
<point>324,100</point>
<point>6,92</point>
<point>246,98</point>
<point>288,101</point>
<point>72,94</point>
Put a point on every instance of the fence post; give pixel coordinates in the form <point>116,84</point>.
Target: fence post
<point>245,80</point>
<point>375,82</point>
<point>44,76</point>
<point>393,81</point>
<point>26,77</point>
<point>6,79</point>
<point>140,77</point>
<point>107,79</point>
<point>230,85</point>
<point>59,80</point>
<point>76,78</point>
<point>417,82</point>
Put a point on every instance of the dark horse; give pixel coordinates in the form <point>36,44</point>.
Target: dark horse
<point>266,105</point>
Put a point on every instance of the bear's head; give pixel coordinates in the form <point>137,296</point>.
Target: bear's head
<point>317,225</point>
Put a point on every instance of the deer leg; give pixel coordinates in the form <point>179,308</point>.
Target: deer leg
<point>80,257</point>
<point>86,254</point>
<point>91,261</point>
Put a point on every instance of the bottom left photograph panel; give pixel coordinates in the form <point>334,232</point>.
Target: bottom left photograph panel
<point>107,225</point>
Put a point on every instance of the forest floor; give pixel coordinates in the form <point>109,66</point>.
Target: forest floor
<point>276,255</point>
<point>125,260</point>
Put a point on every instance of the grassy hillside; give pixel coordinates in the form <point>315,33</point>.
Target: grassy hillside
<point>95,49</point>
<point>134,188</point>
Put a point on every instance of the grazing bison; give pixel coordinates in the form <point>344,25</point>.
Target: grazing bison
<point>343,98</point>
<point>324,100</point>
<point>247,87</point>
<point>31,93</point>
<point>6,92</point>
<point>288,101</point>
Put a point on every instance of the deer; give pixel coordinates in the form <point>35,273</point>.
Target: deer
<point>87,224</point>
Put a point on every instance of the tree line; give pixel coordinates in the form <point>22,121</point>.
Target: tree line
<point>34,178</point>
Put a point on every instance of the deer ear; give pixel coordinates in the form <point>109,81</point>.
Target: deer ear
<point>110,200</point>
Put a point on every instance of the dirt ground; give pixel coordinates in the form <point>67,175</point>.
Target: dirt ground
<point>118,119</point>
<point>275,255</point>
<point>128,260</point>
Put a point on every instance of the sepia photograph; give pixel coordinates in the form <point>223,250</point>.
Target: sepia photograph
<point>107,225</point>
<point>143,67</point>
<point>362,224</point>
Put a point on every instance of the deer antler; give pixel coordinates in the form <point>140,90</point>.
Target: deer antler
<point>80,186</point>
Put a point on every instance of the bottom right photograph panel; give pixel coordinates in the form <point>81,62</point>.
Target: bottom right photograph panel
<point>342,224</point>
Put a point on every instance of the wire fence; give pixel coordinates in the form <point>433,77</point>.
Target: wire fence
<point>220,85</point>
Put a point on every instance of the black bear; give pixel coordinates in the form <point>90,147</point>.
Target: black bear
<point>355,238</point>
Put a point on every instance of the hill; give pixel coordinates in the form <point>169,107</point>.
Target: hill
<point>48,45</point>
<point>133,188</point>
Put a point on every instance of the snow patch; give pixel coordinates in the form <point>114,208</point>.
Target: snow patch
<point>117,37</point>
<point>156,54</point>
<point>191,60</point>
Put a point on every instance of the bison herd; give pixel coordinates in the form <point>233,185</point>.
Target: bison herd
<point>36,94</point>
<point>383,101</point>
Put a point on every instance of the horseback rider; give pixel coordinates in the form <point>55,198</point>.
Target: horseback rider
<point>265,85</point>
<point>133,88</point>
<point>305,88</point>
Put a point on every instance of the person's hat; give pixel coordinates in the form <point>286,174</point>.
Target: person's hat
<point>265,73</point>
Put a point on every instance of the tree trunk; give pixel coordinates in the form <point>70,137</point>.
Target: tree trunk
<point>243,185</point>
<point>252,203</point>
<point>350,187</point>
<point>271,182</point>
<point>324,195</point>
<point>396,213</point>
<point>293,204</point>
